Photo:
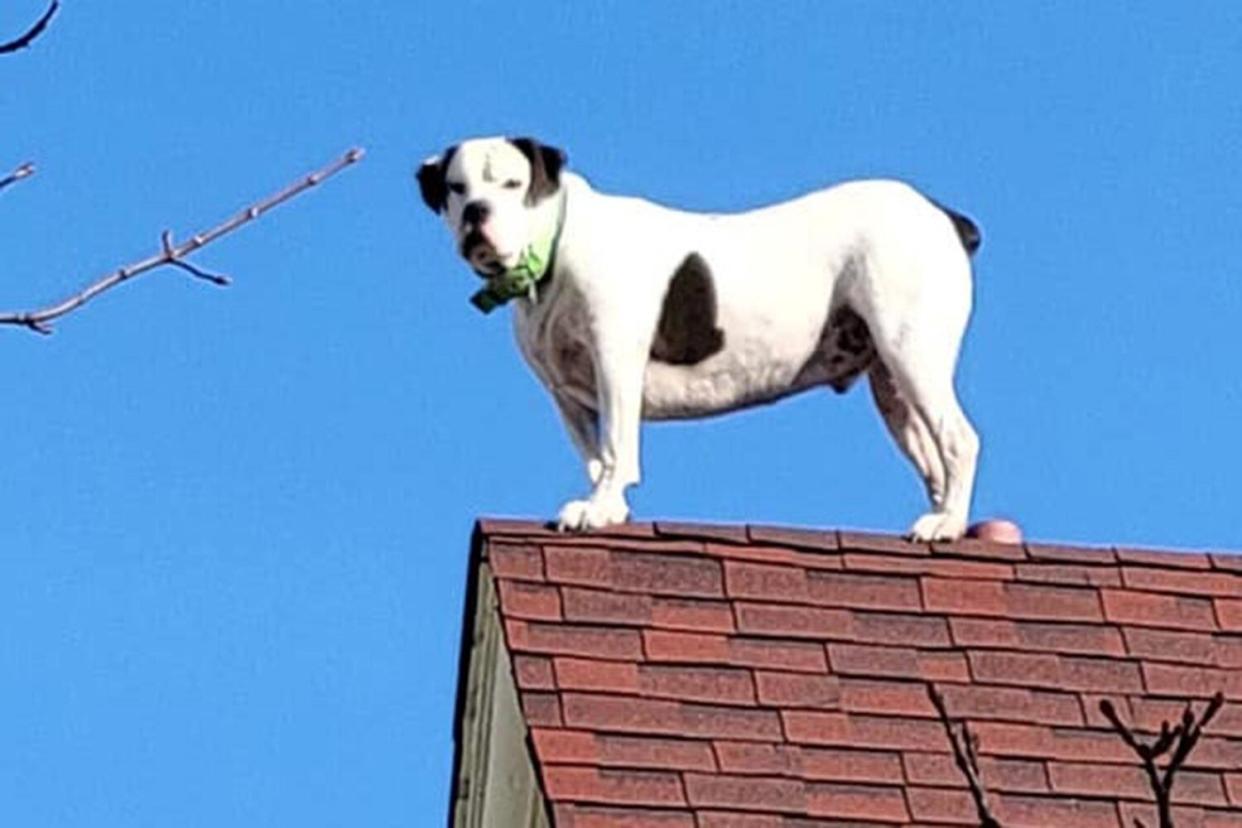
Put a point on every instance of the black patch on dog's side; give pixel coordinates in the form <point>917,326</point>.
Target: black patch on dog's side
<point>848,348</point>
<point>966,229</point>
<point>431,181</point>
<point>687,333</point>
<point>545,168</point>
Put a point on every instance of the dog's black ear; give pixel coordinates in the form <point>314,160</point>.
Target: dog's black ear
<point>431,180</point>
<point>546,164</point>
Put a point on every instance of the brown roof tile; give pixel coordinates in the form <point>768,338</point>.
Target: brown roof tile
<point>698,676</point>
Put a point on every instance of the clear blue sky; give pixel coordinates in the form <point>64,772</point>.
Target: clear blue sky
<point>235,522</point>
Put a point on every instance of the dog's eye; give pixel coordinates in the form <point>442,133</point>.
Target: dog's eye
<point>512,184</point>
<point>457,187</point>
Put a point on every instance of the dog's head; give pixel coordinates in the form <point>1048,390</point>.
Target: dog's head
<point>495,195</point>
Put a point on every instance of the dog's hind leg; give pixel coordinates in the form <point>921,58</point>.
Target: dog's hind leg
<point>909,431</point>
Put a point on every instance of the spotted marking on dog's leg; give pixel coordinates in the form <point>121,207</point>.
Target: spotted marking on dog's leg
<point>687,333</point>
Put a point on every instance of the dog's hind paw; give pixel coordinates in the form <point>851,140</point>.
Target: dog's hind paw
<point>938,526</point>
<point>594,513</point>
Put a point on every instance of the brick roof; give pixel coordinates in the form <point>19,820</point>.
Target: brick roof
<point>681,676</point>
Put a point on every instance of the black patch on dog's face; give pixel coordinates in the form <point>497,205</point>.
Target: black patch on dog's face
<point>545,168</point>
<point>687,333</point>
<point>431,181</point>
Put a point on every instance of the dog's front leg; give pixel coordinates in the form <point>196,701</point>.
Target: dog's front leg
<point>620,363</point>
<point>583,427</point>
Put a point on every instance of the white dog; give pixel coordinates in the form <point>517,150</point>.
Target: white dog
<point>627,309</point>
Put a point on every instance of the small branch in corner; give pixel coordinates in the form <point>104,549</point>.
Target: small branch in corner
<point>966,755</point>
<point>1181,739</point>
<point>23,171</point>
<point>30,34</point>
<point>172,253</point>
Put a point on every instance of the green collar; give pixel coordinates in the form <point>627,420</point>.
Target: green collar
<point>522,279</point>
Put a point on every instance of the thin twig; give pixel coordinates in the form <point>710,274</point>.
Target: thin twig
<point>1182,738</point>
<point>23,171</point>
<point>174,254</point>
<point>31,33</point>
<point>966,755</point>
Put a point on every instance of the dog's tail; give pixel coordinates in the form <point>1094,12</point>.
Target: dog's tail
<point>966,229</point>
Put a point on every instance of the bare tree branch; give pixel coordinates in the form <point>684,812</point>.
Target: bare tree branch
<point>1182,738</point>
<point>174,254</point>
<point>966,755</point>
<point>31,33</point>
<point>24,171</point>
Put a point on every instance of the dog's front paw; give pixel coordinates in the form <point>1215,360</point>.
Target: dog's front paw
<point>938,526</point>
<point>595,470</point>
<point>593,513</point>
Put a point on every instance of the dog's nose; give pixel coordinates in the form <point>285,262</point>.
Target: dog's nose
<point>476,212</point>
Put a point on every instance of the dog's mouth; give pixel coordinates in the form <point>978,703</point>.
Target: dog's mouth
<point>477,249</point>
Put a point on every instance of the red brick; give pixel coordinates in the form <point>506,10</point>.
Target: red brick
<point>747,793</point>
<point>620,787</point>
<point>584,674</point>
<point>556,746</point>
<point>1228,650</point>
<point>900,628</point>
<point>689,647</point>
<point>625,714</point>
<point>1150,610</point>
<point>515,561</point>
<point>541,709</point>
<point>896,662</point>
<point>829,764</point>
<point>692,614</point>
<point>944,568</point>
<point>1078,745</point>
<point>1070,554</point>
<point>764,581</point>
<point>705,684</point>
<point>1199,788</point>
<point>1052,603</point>
<point>589,816</point>
<point>734,819</point>
<point>1227,561</point>
<point>794,621</point>
<point>896,697</point>
<point>1069,574</point>
<point>869,542</point>
<point>964,597</point>
<point>942,806</point>
<point>539,602</point>
<point>729,533</point>
<point>811,728</point>
<point>1218,584</point>
<point>976,548</point>
<point>1013,775</point>
<point>1191,682</point>
<point>794,656</point>
<point>1012,704</point>
<point>1018,810</point>
<point>1056,672</point>
<point>797,538</point>
<point>1163,645</point>
<point>1233,786</point>
<point>1230,614</point>
<point>1171,559</point>
<point>633,571</point>
<point>758,758</point>
<point>889,592</point>
<point>1014,739</point>
<point>597,606</point>
<point>1038,636</point>
<point>894,733</point>
<point>648,752</point>
<point>1128,781</point>
<point>846,801</point>
<point>798,690</point>
<point>567,639</point>
<point>533,672</point>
